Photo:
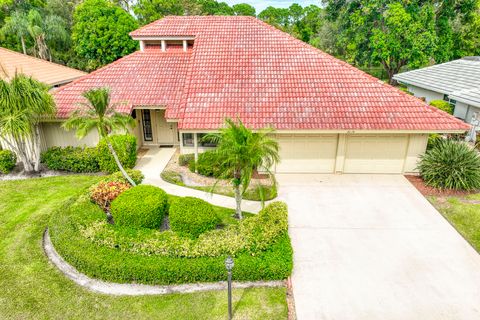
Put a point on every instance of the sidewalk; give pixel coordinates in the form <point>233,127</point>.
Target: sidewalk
<point>156,159</point>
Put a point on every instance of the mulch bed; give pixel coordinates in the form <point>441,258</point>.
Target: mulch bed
<point>428,191</point>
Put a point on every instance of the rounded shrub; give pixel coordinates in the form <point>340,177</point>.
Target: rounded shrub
<point>8,160</point>
<point>191,217</point>
<point>451,164</point>
<point>125,145</point>
<point>141,206</point>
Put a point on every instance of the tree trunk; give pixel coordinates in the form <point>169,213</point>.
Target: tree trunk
<point>36,147</point>
<point>238,200</point>
<point>119,164</point>
<point>24,48</point>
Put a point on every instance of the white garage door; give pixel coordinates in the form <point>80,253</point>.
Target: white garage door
<point>307,153</point>
<point>375,154</point>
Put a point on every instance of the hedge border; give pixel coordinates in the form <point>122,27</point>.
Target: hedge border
<point>109,264</point>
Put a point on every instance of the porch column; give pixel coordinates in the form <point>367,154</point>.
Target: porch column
<point>195,145</point>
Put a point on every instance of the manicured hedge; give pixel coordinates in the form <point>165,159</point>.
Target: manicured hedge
<point>8,160</point>
<point>69,228</point>
<point>72,159</point>
<point>142,206</point>
<point>208,164</point>
<point>191,216</point>
<point>125,145</point>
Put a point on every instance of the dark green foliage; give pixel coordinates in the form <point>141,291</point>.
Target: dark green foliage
<point>136,175</point>
<point>72,159</point>
<point>451,165</point>
<point>8,160</point>
<point>185,159</point>
<point>111,264</point>
<point>208,165</point>
<point>191,217</point>
<point>100,32</point>
<point>432,140</point>
<point>442,105</point>
<point>142,206</point>
<point>126,147</point>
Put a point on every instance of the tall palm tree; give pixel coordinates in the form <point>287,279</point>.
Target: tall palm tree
<point>24,102</point>
<point>17,24</point>
<point>98,113</point>
<point>241,151</point>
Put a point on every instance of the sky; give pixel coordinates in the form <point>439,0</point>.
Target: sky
<point>262,4</point>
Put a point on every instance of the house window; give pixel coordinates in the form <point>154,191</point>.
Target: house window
<point>187,139</point>
<point>451,101</point>
<point>205,143</point>
<point>147,125</point>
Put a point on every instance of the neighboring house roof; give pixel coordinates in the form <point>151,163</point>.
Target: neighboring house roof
<point>241,66</point>
<point>460,79</point>
<point>53,74</point>
<point>467,96</point>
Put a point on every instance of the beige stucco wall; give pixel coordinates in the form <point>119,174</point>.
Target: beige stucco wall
<point>354,153</point>
<point>54,135</point>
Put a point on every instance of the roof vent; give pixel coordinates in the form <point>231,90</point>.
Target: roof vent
<point>473,58</point>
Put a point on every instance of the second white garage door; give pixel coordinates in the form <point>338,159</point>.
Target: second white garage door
<point>375,154</point>
<point>307,153</point>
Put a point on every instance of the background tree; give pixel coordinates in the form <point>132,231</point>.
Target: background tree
<point>403,39</point>
<point>241,151</point>
<point>17,24</point>
<point>98,113</point>
<point>244,9</point>
<point>24,102</point>
<point>100,32</point>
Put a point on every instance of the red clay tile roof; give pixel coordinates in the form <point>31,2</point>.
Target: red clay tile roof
<point>240,66</point>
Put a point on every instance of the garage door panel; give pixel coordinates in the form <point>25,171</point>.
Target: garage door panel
<point>375,154</point>
<point>307,153</point>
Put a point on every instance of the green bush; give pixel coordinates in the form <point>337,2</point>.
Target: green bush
<point>442,105</point>
<point>433,140</point>
<point>185,159</point>
<point>141,206</point>
<point>8,160</point>
<point>136,175</point>
<point>191,217</point>
<point>67,229</point>
<point>125,145</point>
<point>251,234</point>
<point>451,165</point>
<point>72,159</point>
<point>208,165</point>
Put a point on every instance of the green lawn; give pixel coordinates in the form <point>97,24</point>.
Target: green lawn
<point>463,213</point>
<point>31,288</point>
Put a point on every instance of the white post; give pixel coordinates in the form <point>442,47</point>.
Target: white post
<point>142,45</point>
<point>164,46</point>
<point>195,145</point>
<point>185,45</point>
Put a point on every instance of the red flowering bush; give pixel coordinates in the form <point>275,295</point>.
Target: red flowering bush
<point>105,192</point>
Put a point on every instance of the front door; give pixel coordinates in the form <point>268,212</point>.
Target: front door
<point>165,130</point>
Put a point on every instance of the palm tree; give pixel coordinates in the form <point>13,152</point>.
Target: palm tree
<point>241,151</point>
<point>99,113</point>
<point>24,102</point>
<point>17,24</point>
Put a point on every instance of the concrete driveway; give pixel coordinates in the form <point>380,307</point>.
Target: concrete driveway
<point>371,247</point>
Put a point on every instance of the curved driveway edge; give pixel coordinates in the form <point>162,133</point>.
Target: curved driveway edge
<point>139,289</point>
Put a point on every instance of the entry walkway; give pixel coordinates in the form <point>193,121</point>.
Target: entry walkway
<point>156,159</point>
